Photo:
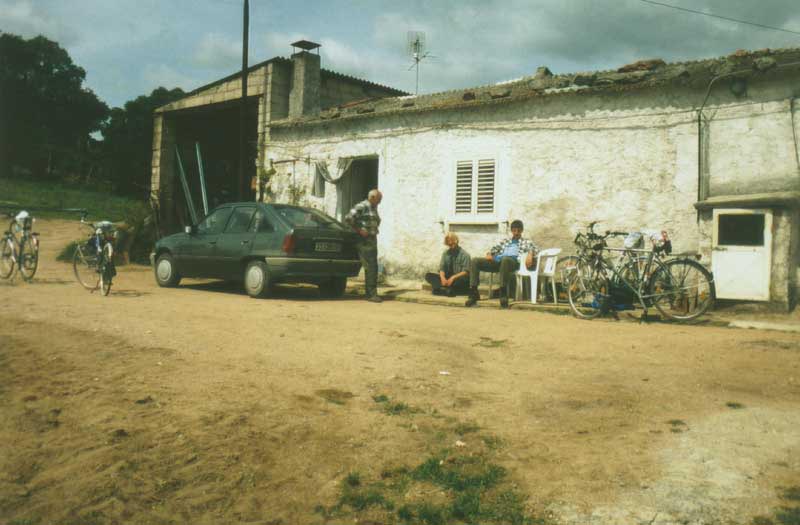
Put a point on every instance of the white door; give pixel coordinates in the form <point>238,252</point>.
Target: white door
<point>742,253</point>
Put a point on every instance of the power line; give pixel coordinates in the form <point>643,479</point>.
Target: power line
<point>763,26</point>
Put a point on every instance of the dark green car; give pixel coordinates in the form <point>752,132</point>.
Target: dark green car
<point>261,245</point>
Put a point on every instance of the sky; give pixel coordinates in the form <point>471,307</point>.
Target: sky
<point>130,47</point>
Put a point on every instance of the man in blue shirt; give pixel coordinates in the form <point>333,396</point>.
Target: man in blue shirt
<point>502,258</point>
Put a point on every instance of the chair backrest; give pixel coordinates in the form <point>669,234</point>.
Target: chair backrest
<point>546,261</point>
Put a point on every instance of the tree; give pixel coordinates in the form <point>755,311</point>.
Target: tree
<point>128,141</point>
<point>48,114</point>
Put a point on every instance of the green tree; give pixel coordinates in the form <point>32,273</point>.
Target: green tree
<point>128,142</point>
<point>47,113</point>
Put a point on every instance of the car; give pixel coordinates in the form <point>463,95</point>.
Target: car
<point>261,244</point>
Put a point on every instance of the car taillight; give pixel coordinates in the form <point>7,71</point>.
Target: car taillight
<point>288,244</point>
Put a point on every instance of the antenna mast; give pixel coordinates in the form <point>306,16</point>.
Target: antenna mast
<point>416,48</point>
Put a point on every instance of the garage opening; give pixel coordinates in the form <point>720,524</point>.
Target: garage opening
<point>216,128</point>
<point>360,178</point>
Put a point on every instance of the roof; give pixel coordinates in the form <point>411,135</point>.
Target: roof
<point>282,60</point>
<point>638,75</point>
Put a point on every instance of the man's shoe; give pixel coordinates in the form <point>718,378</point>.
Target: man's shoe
<point>503,301</point>
<point>374,299</point>
<point>473,298</point>
<point>451,292</point>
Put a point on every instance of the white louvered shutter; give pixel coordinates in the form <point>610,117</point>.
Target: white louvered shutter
<point>464,186</point>
<point>485,186</point>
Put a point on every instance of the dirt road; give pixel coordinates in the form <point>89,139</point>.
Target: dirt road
<point>201,405</point>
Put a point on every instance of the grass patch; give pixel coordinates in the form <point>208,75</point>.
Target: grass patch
<point>792,494</point>
<point>488,342</point>
<point>66,254</point>
<point>783,515</point>
<point>471,489</point>
<point>466,428</point>
<point>380,398</point>
<point>734,405</point>
<point>335,396</point>
<point>46,199</point>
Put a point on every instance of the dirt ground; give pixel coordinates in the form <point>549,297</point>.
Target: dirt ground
<point>201,405</point>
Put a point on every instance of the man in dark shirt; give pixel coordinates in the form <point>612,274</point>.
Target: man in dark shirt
<point>453,276</point>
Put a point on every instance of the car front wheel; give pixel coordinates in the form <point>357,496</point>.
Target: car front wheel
<point>166,273</point>
<point>256,279</point>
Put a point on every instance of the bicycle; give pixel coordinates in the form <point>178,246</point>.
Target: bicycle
<point>680,288</point>
<point>19,248</point>
<point>92,261</point>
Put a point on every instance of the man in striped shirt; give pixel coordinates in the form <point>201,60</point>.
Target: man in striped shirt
<point>502,258</point>
<point>365,221</point>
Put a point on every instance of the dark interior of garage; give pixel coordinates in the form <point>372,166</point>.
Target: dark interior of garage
<point>216,129</point>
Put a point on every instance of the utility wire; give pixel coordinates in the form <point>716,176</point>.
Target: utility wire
<point>763,26</point>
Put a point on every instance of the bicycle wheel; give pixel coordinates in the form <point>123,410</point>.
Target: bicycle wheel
<point>587,291</point>
<point>29,257</point>
<point>6,257</point>
<point>84,264</point>
<point>105,270</point>
<point>682,289</point>
<point>564,268</point>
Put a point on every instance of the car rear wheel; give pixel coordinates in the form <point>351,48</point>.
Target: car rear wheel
<point>256,279</point>
<point>333,287</point>
<point>166,273</point>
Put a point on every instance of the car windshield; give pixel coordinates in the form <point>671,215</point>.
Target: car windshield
<point>307,217</point>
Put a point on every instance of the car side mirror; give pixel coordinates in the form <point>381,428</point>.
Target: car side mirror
<point>189,230</point>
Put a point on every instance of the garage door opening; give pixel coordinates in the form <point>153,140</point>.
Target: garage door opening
<point>216,129</point>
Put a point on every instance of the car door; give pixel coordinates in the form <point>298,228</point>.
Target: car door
<point>201,244</point>
<point>235,243</point>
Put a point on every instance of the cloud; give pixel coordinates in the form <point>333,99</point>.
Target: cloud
<point>155,75</point>
<point>218,51</point>
<point>24,18</point>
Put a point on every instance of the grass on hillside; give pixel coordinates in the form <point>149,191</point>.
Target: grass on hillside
<point>45,199</point>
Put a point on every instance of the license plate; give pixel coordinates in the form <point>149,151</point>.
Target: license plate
<point>327,247</point>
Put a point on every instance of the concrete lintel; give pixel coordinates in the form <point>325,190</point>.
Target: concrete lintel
<point>753,200</point>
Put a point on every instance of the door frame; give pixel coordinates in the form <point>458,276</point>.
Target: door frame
<point>768,221</point>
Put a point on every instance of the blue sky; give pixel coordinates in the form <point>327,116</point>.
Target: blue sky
<point>130,47</point>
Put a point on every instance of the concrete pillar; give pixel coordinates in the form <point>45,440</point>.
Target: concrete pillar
<point>162,182</point>
<point>304,96</point>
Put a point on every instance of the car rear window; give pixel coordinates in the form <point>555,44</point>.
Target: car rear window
<point>307,217</point>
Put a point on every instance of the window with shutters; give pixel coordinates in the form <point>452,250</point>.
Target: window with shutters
<point>475,187</point>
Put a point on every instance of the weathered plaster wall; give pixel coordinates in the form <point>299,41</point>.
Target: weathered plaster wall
<point>628,160</point>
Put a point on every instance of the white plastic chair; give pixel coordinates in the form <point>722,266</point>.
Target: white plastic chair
<point>545,267</point>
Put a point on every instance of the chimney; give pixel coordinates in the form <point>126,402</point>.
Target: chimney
<point>304,96</point>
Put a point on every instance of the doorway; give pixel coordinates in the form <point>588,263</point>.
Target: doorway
<point>360,178</point>
<point>742,253</point>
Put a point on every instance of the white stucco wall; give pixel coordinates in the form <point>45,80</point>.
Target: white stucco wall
<point>626,160</point>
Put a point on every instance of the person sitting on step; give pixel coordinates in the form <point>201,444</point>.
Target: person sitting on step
<point>453,276</point>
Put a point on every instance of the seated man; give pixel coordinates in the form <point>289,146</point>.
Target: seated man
<point>453,276</point>
<point>502,258</point>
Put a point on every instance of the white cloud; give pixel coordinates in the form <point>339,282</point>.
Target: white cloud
<point>218,51</point>
<point>24,18</point>
<point>155,75</point>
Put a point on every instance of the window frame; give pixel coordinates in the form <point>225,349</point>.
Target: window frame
<point>474,217</point>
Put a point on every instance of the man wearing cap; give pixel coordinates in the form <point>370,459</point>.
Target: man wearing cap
<point>364,220</point>
<point>502,258</point>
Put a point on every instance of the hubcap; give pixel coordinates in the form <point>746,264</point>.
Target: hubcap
<point>164,270</point>
<point>255,277</point>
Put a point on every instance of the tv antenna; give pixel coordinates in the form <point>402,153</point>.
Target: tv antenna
<point>416,48</point>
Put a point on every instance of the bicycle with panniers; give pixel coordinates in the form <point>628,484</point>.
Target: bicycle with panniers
<point>19,247</point>
<point>93,260</point>
<point>678,286</point>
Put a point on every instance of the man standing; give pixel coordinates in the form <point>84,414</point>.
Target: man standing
<point>364,219</point>
<point>503,258</point>
<point>453,276</point>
